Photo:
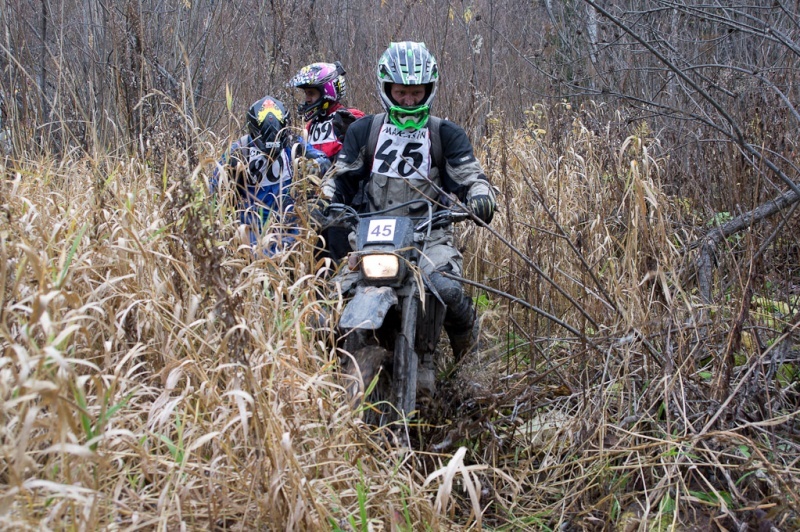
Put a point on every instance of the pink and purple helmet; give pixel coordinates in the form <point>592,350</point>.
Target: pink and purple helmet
<point>328,78</point>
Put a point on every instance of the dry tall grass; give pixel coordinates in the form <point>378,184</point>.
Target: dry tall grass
<point>155,375</point>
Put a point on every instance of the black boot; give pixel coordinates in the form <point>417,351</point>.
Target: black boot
<point>464,342</point>
<point>460,321</point>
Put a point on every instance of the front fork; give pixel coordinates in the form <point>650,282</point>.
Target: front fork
<point>406,360</point>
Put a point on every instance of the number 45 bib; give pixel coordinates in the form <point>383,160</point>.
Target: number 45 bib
<point>402,154</point>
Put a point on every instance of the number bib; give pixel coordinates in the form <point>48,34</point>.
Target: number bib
<point>264,174</point>
<point>402,154</point>
<point>321,132</point>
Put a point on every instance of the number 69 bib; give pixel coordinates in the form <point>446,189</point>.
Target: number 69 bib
<point>402,154</point>
<point>321,132</point>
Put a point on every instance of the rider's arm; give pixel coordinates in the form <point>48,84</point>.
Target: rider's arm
<point>227,163</point>
<point>350,168</point>
<point>342,119</point>
<point>464,175</point>
<point>315,155</point>
<point>219,167</point>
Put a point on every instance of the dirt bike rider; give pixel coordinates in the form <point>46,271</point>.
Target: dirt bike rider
<point>407,81</point>
<point>260,166</point>
<point>327,120</point>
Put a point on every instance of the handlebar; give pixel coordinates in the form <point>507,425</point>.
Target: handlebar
<point>342,215</point>
<point>442,219</point>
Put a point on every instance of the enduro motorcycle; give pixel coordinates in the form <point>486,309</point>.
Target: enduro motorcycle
<point>394,318</point>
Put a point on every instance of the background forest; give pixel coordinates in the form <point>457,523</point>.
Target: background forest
<point>639,287</point>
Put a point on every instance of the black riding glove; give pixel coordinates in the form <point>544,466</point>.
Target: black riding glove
<point>318,211</point>
<point>341,121</point>
<point>483,207</point>
<point>238,171</point>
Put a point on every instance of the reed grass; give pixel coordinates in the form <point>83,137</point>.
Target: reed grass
<point>156,374</point>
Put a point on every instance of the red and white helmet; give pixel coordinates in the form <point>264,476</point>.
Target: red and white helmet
<point>328,78</point>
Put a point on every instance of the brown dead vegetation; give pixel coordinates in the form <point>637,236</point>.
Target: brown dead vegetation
<point>155,375</point>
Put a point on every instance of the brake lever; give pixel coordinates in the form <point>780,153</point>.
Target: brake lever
<point>447,217</point>
<point>459,216</point>
<point>340,215</point>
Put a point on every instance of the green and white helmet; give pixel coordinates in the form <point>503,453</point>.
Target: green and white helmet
<point>407,63</point>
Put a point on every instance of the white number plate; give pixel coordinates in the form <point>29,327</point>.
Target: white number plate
<point>381,230</point>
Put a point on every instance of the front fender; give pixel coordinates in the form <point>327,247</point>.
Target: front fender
<point>368,308</point>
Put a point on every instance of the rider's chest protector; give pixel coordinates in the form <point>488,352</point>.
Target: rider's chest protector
<point>402,169</point>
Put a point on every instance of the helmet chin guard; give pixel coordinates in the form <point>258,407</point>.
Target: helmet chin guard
<point>310,111</point>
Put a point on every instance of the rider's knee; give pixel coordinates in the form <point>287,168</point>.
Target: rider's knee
<point>448,289</point>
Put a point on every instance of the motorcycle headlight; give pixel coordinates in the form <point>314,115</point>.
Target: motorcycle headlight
<point>380,266</point>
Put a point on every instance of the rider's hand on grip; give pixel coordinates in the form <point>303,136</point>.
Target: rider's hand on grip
<point>309,167</point>
<point>341,121</point>
<point>318,211</point>
<point>324,165</point>
<point>483,207</point>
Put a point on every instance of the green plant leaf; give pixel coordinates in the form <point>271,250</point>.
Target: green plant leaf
<point>86,421</point>
<point>745,450</point>
<point>361,491</point>
<point>667,505</point>
<point>174,451</point>
<point>75,243</point>
<point>715,499</point>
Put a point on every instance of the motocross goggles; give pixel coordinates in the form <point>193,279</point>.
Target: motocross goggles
<point>413,118</point>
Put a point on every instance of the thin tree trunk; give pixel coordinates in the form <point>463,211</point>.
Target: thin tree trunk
<point>591,33</point>
<point>43,74</point>
<point>706,259</point>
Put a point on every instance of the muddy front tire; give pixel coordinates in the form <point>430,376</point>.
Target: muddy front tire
<point>362,368</point>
